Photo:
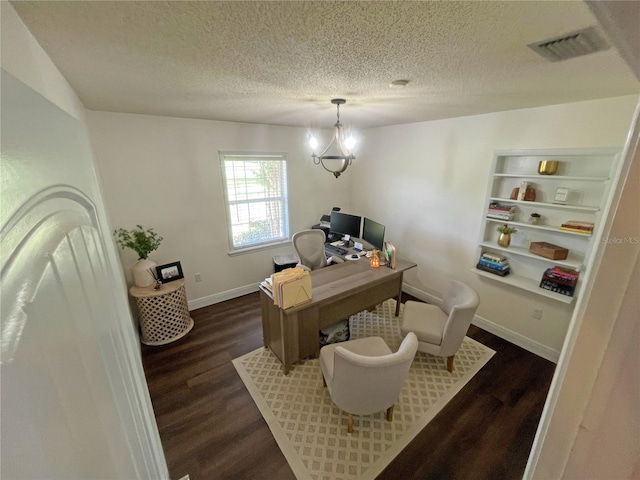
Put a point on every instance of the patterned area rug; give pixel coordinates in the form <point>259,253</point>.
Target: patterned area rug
<point>312,432</point>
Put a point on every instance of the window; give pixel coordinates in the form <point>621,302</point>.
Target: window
<point>255,187</point>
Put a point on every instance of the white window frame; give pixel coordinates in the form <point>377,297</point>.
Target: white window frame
<point>282,200</point>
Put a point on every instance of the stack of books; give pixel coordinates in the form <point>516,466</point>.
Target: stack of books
<point>493,263</point>
<point>578,227</point>
<point>500,212</point>
<point>560,280</point>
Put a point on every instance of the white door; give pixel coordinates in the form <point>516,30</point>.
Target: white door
<point>74,399</point>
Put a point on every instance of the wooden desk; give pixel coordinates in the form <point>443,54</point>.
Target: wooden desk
<point>338,291</point>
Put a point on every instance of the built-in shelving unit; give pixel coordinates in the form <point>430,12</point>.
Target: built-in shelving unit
<point>587,173</point>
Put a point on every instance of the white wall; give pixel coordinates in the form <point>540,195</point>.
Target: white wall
<point>433,177</point>
<point>164,173</point>
<point>106,404</point>
<point>426,182</point>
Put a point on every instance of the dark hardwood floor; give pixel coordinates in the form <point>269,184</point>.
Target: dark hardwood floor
<point>211,429</point>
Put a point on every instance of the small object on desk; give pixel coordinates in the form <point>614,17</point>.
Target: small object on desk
<point>357,246</point>
<point>353,256</point>
<point>374,260</point>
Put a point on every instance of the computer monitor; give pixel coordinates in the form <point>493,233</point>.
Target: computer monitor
<point>373,233</point>
<point>345,224</point>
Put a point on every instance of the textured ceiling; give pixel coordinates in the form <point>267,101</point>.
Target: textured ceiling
<point>281,62</point>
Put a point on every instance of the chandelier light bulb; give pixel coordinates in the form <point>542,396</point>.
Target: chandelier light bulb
<point>313,142</point>
<point>349,142</point>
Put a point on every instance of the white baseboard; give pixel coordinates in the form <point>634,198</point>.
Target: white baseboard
<point>222,296</point>
<point>491,327</point>
<point>517,339</point>
<point>421,294</point>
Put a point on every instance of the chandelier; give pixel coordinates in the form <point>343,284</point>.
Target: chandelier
<point>342,144</point>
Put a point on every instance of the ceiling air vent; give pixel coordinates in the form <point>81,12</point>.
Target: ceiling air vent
<point>571,45</point>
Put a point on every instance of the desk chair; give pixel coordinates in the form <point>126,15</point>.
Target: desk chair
<point>364,376</point>
<point>441,330</point>
<point>309,245</point>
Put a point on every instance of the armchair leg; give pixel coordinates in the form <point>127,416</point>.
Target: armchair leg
<point>324,381</point>
<point>350,424</point>
<point>450,363</point>
<point>390,413</point>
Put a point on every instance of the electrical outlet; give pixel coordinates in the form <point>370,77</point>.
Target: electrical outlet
<point>198,277</point>
<point>537,314</point>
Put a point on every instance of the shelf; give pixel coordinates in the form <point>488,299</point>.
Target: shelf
<point>559,206</point>
<point>586,172</point>
<point>566,178</point>
<point>547,228</point>
<point>527,284</point>
<point>571,261</point>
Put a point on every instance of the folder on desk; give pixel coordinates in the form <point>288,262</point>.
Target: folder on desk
<point>291,287</point>
<point>390,254</point>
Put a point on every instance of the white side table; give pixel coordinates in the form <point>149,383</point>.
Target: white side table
<point>164,314</point>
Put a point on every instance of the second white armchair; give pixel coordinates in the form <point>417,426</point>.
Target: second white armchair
<point>441,330</point>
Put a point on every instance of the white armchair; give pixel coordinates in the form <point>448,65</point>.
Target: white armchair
<point>364,376</point>
<point>309,245</point>
<point>441,330</point>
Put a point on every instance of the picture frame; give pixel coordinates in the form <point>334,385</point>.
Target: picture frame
<point>169,272</point>
<point>562,195</point>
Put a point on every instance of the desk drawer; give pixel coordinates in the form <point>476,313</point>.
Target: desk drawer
<point>355,302</point>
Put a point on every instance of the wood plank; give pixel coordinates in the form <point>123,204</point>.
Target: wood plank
<point>211,428</point>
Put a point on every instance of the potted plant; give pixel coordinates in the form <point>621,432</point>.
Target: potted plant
<point>143,242</point>
<point>504,240</point>
<point>534,219</point>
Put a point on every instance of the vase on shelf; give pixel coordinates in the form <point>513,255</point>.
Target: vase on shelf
<point>535,219</point>
<point>504,240</point>
<point>141,275</point>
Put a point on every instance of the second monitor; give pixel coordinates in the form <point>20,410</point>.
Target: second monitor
<point>373,233</point>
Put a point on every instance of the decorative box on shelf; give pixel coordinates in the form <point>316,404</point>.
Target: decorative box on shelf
<point>548,250</point>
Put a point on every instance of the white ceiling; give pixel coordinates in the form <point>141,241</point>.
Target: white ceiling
<point>281,62</point>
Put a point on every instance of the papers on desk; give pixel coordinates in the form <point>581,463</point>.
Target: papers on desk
<point>390,254</point>
<point>268,284</point>
<point>289,287</point>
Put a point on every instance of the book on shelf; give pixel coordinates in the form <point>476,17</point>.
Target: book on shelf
<point>500,212</point>
<point>564,273</point>
<point>495,265</point>
<point>496,257</point>
<point>576,230</point>
<point>501,273</point>
<point>557,288</point>
<point>578,227</point>
<point>500,216</point>
<point>579,224</point>
<point>560,280</point>
<point>502,208</point>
